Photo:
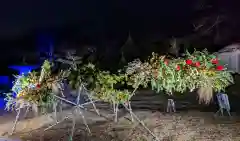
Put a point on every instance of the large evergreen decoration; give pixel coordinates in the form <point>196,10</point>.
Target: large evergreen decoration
<point>199,70</point>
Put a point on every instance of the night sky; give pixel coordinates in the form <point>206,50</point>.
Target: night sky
<point>19,17</point>
<point>100,20</point>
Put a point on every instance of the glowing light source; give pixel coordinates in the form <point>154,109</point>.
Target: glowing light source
<point>24,69</point>
<point>5,84</point>
<point>4,80</point>
<point>2,103</point>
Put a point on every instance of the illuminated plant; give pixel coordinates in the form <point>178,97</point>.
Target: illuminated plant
<point>83,74</point>
<point>34,87</point>
<point>101,83</point>
<point>105,88</point>
<point>199,70</point>
<point>138,73</point>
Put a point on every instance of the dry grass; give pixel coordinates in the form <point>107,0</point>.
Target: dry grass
<point>205,95</point>
<point>184,126</point>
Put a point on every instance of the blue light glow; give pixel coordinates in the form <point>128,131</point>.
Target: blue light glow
<point>4,80</point>
<point>2,103</point>
<point>24,69</point>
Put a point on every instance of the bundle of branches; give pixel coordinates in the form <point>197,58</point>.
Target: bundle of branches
<point>102,84</point>
<point>199,70</point>
<point>83,74</point>
<point>105,88</point>
<point>34,87</point>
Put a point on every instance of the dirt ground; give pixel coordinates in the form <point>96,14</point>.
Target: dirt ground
<point>182,126</point>
<point>185,125</point>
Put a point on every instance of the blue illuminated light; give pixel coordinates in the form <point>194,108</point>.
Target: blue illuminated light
<point>24,69</point>
<point>2,103</point>
<point>4,80</point>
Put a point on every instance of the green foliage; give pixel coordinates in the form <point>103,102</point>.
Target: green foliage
<point>83,74</point>
<point>105,88</point>
<point>28,87</point>
<point>138,73</point>
<point>101,83</point>
<point>11,101</point>
<point>197,70</point>
<point>47,66</point>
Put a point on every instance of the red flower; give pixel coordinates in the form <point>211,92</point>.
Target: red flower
<point>178,67</point>
<point>215,61</point>
<point>197,64</point>
<point>219,68</point>
<point>188,62</point>
<point>38,86</point>
<point>166,62</point>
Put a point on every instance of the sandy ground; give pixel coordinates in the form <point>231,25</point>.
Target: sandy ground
<point>183,126</point>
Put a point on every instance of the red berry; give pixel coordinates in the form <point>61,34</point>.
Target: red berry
<point>215,61</point>
<point>38,86</point>
<point>219,68</point>
<point>166,62</point>
<point>188,62</point>
<point>197,64</point>
<point>178,67</point>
